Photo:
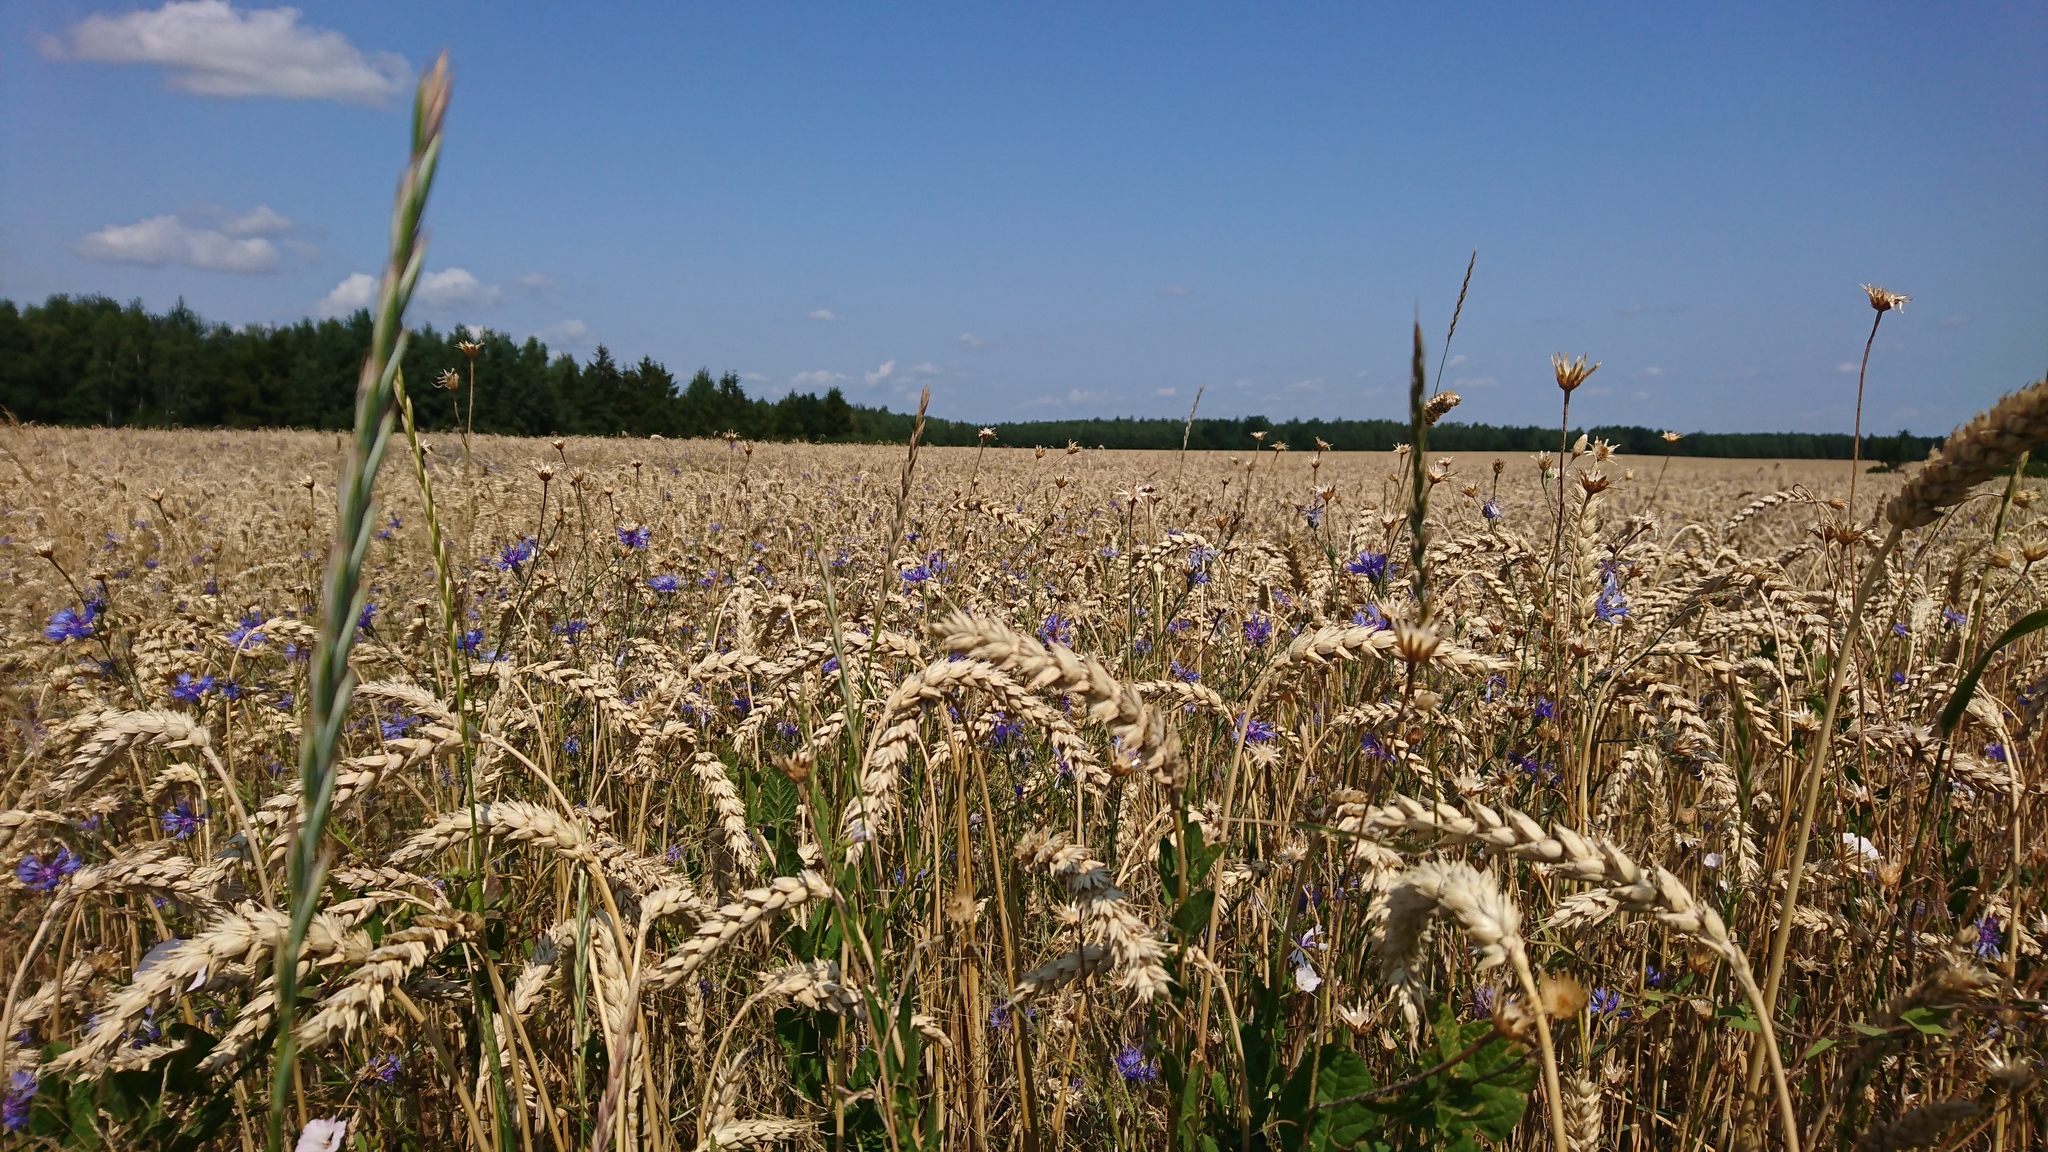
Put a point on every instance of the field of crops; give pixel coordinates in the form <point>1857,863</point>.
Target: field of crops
<point>718,794</point>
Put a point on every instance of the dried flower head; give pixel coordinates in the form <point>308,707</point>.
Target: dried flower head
<point>1571,373</point>
<point>1885,301</point>
<point>1563,997</point>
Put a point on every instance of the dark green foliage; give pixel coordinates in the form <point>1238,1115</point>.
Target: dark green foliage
<point>127,1109</point>
<point>90,360</point>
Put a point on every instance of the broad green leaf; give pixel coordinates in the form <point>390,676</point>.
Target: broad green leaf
<point>1923,1020</point>
<point>1816,1048</point>
<point>1960,699</point>
<point>1191,919</point>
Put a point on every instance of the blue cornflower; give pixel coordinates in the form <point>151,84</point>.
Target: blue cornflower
<point>512,555</point>
<point>384,1069</point>
<point>44,876</point>
<point>180,821</point>
<point>1133,1067</point>
<point>572,629</point>
<point>1057,630</point>
<point>245,634</point>
<point>384,533</point>
<point>368,619</point>
<point>1490,509</point>
<point>1371,565</point>
<point>1257,631</point>
<point>1546,708</point>
<point>397,726</point>
<point>741,705</point>
<point>1610,607</point>
<point>634,538</point>
<point>572,746</point>
<point>1198,565</point>
<point>21,1089</point>
<point>1186,675</point>
<point>1176,627</point>
<point>1256,731</point>
<point>470,641</point>
<point>830,666</point>
<point>1607,1002</point>
<point>1954,618</point>
<point>663,583</point>
<point>1005,730</point>
<point>1373,748</point>
<point>1990,935</point>
<point>1482,1001</point>
<point>1109,552</point>
<point>1370,616</point>
<point>190,690</point>
<point>1995,752</point>
<point>1900,629</point>
<point>1313,513</point>
<point>71,624</point>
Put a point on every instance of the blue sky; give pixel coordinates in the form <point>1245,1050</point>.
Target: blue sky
<point>1054,210</point>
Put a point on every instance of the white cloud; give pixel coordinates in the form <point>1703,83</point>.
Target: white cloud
<point>211,48</point>
<point>1167,392</point>
<point>817,379</point>
<point>753,378</point>
<point>1452,362</point>
<point>1652,371</point>
<point>1076,396</point>
<point>1846,367</point>
<point>970,340</point>
<point>1955,321</point>
<point>824,314</point>
<point>1312,385</point>
<point>567,334</point>
<point>535,282</point>
<point>454,288</point>
<point>257,221</point>
<point>1640,395</point>
<point>355,291</point>
<point>887,370</point>
<point>162,240</point>
<point>1174,290</point>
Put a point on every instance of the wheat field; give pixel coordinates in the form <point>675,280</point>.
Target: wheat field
<point>735,795</point>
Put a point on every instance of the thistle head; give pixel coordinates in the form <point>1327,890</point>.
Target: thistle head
<point>469,348</point>
<point>1884,301</point>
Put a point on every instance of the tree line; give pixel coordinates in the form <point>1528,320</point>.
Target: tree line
<point>93,361</point>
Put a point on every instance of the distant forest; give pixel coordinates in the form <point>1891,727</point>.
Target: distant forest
<point>93,361</point>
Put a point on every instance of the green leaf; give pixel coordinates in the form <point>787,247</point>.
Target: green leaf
<point>1923,1020</point>
<point>1738,1016</point>
<point>1816,1048</point>
<point>1867,1029</point>
<point>1960,699</point>
<point>1191,919</point>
